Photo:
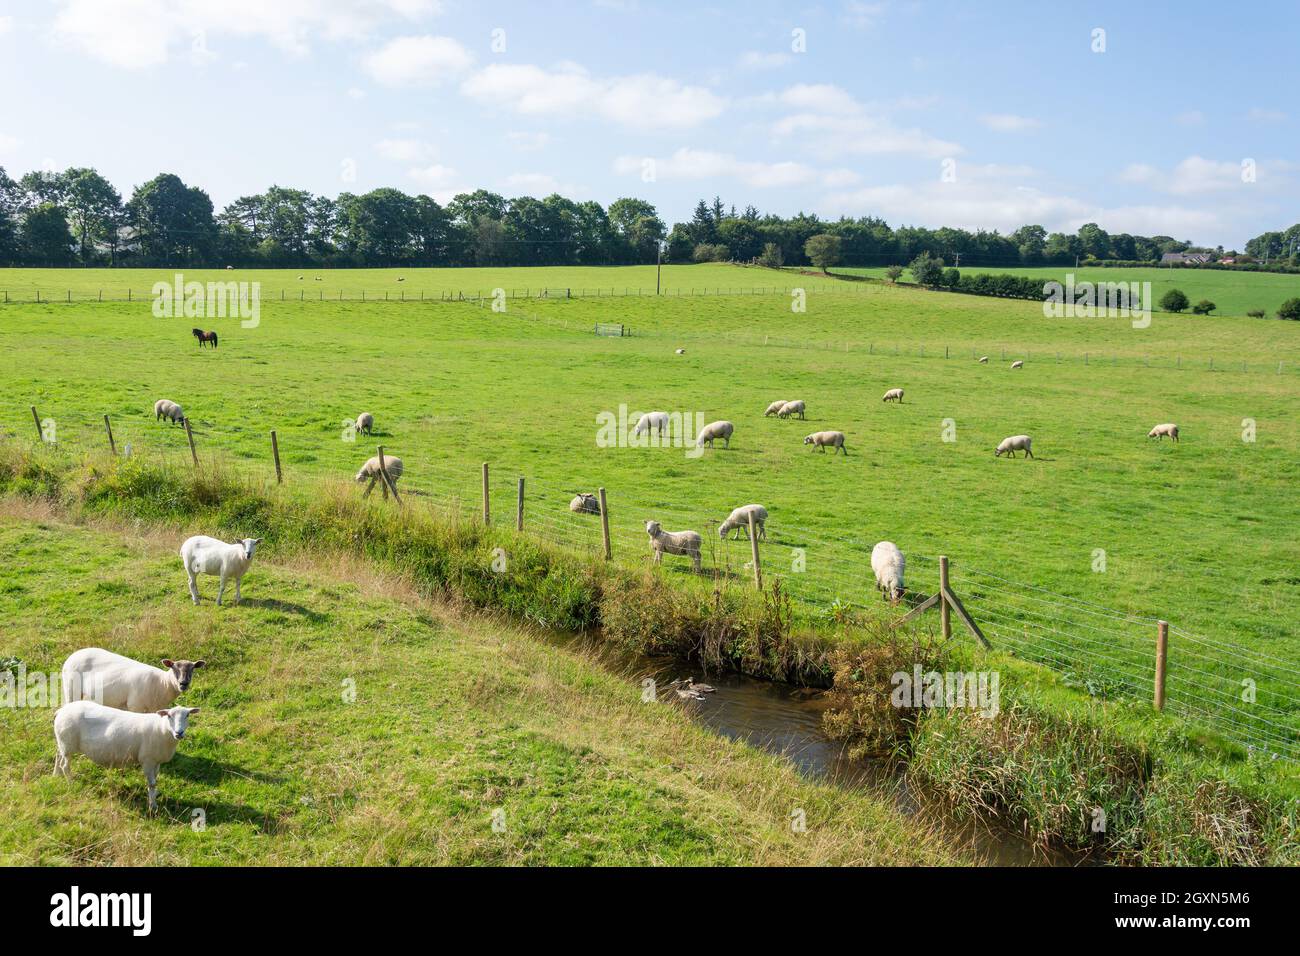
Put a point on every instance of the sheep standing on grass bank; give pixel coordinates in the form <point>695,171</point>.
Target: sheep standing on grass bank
<point>887,563</point>
<point>584,503</point>
<point>893,395</point>
<point>791,408</point>
<point>822,439</point>
<point>1160,431</point>
<point>119,738</point>
<point>775,407</point>
<point>739,519</point>
<point>93,673</point>
<point>165,408</point>
<point>370,471</point>
<point>203,555</point>
<point>1009,446</point>
<point>713,431</point>
<point>365,423</point>
<point>674,542</point>
<point>656,421</point>
<point>1018,364</point>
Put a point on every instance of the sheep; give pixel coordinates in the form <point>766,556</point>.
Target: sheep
<point>584,503</point>
<point>230,268</point>
<point>893,395</point>
<point>164,408</point>
<point>713,431</point>
<point>1017,364</point>
<point>739,519</point>
<point>365,423</point>
<point>674,542</point>
<point>651,420</point>
<point>1009,446</point>
<point>93,673</point>
<point>791,408</point>
<point>203,555</point>
<point>370,471</point>
<point>119,738</point>
<point>299,278</point>
<point>774,407</point>
<point>887,563</point>
<point>984,360</point>
<point>1160,431</point>
<point>680,352</point>
<point>822,439</point>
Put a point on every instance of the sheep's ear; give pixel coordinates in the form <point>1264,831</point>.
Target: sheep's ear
<point>163,713</point>
<point>198,664</point>
<point>167,663</point>
<point>193,711</point>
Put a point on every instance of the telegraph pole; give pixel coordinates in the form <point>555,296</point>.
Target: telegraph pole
<point>659,258</point>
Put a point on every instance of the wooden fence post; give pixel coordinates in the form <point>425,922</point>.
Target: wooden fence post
<point>753,551</point>
<point>519,506</point>
<point>275,452</point>
<point>190,435</point>
<point>40,435</point>
<point>1162,659</point>
<point>945,609</point>
<point>487,510</point>
<point>604,524</point>
<point>389,485</point>
<point>109,428</point>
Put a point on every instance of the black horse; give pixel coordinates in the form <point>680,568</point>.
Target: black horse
<point>205,337</point>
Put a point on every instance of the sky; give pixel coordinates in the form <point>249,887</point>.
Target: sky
<point>1156,118</point>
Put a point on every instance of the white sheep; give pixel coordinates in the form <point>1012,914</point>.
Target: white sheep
<point>93,673</point>
<point>680,352</point>
<point>674,542</point>
<point>893,395</point>
<point>795,407</point>
<point>370,471</point>
<point>203,555</point>
<point>739,519</point>
<point>984,360</point>
<point>887,563</point>
<point>774,407</point>
<point>165,408</point>
<point>365,423</point>
<point>658,421</point>
<point>585,503</point>
<point>119,738</point>
<point>1009,446</point>
<point>822,439</point>
<point>1017,364</point>
<point>1160,431</point>
<point>713,431</point>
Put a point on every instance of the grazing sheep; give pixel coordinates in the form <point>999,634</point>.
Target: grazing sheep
<point>715,430</point>
<point>774,407</point>
<point>1009,446</point>
<point>893,395</point>
<point>370,471</point>
<point>681,352</point>
<point>1017,364</point>
<point>585,504</point>
<point>1160,431</point>
<point>887,563</point>
<point>299,278</point>
<point>739,519</point>
<point>791,408</point>
<point>822,439</point>
<point>119,738</point>
<point>401,278</point>
<point>229,268</point>
<point>674,542</point>
<point>657,421</point>
<point>203,555</point>
<point>365,424</point>
<point>984,360</point>
<point>93,673</point>
<point>163,408</point>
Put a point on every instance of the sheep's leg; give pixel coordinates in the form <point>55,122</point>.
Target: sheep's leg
<point>1028,453</point>
<point>383,486</point>
<point>659,557</point>
<point>695,559</point>
<point>221,590</point>
<point>151,775</point>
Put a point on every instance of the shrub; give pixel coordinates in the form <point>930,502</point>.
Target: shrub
<point>1290,309</point>
<point>893,272</point>
<point>951,278</point>
<point>823,250</point>
<point>927,271</point>
<point>1204,307</point>
<point>1256,313</point>
<point>711,252</point>
<point>1174,301</point>
<point>771,256</point>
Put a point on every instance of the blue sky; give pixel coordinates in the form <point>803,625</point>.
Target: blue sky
<point>976,115</point>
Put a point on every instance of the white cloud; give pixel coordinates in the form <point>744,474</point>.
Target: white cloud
<point>829,122</point>
<point>355,93</point>
<point>1009,122</point>
<point>528,142</point>
<point>1190,118</point>
<point>696,164</point>
<point>6,25</point>
<point>1194,175</point>
<point>417,61</point>
<point>1260,115</point>
<point>863,15</point>
<point>9,144</point>
<point>641,101</point>
<point>405,150</point>
<point>437,181</point>
<point>754,60</point>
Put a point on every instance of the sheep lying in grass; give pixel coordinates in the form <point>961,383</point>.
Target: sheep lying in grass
<point>674,542</point>
<point>370,472</point>
<point>713,431</point>
<point>739,519</point>
<point>680,352</point>
<point>1009,446</point>
<point>1017,364</point>
<point>165,408</point>
<point>887,563</point>
<point>1160,431</point>
<point>774,407</point>
<point>822,439</point>
<point>791,408</point>
<point>93,673</point>
<point>119,738</point>
<point>204,555</point>
<point>893,395</point>
<point>657,421</point>
<point>584,503</point>
<point>365,423</point>
<point>984,360</point>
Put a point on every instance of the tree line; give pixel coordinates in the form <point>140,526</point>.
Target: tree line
<point>77,217</point>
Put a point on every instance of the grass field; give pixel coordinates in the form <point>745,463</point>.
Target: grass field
<point>1235,293</point>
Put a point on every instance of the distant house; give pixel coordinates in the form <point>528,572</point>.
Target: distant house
<point>1186,258</point>
<point>1227,262</point>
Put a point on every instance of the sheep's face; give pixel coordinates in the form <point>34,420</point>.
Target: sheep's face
<point>652,528</point>
<point>183,671</point>
<point>808,440</point>
<point>997,452</point>
<point>178,720</point>
<point>250,545</point>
